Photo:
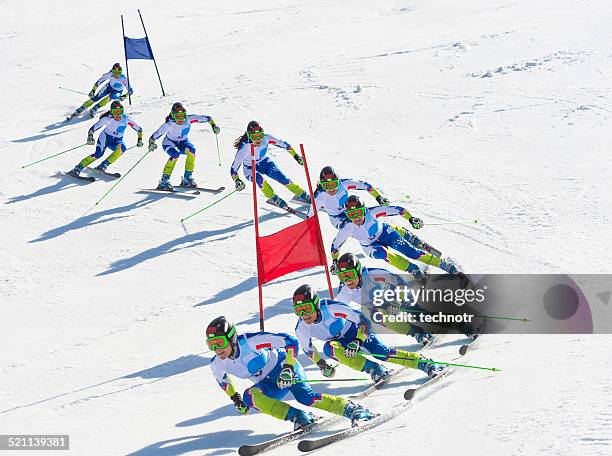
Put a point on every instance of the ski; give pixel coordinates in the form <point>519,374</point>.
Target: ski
<point>291,210</point>
<point>410,392</point>
<point>203,189</point>
<point>104,173</point>
<point>249,450</point>
<point>83,178</point>
<point>178,193</point>
<point>467,347</point>
<point>428,248</point>
<point>314,444</point>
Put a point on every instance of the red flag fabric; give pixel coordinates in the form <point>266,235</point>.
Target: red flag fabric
<point>292,249</point>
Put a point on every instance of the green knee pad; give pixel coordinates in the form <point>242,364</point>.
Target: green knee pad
<point>169,167</point>
<point>399,261</point>
<point>267,190</point>
<point>408,359</point>
<point>428,258</point>
<point>87,104</point>
<point>356,363</point>
<point>87,161</point>
<point>112,158</point>
<point>104,101</point>
<point>273,407</point>
<point>190,162</point>
<point>295,188</point>
<point>331,404</point>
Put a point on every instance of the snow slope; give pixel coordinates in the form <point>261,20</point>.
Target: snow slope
<point>496,110</point>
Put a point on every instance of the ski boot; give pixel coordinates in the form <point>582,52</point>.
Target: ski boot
<point>76,171</point>
<point>429,367</point>
<point>187,181</point>
<point>93,111</point>
<point>102,166</point>
<point>78,111</point>
<point>299,418</point>
<point>304,197</point>
<point>357,413</point>
<point>417,273</point>
<point>376,371</point>
<point>278,202</point>
<point>164,183</point>
<point>448,266</point>
<point>423,338</point>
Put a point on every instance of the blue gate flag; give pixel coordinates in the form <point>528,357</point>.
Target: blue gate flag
<point>138,48</point>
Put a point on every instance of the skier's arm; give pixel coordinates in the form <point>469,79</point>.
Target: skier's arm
<point>354,184</point>
<point>160,131</point>
<point>138,130</point>
<point>103,78</point>
<point>318,202</point>
<point>103,122</point>
<point>223,379</point>
<point>285,145</point>
<point>341,237</point>
<point>241,154</point>
<point>124,81</point>
<point>277,340</point>
<point>348,313</point>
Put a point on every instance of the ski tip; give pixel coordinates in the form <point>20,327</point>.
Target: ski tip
<point>463,349</point>
<point>409,394</point>
<point>304,445</point>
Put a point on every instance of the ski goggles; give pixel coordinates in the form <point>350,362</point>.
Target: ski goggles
<point>117,111</point>
<point>348,274</point>
<point>352,214</point>
<point>117,72</point>
<point>255,135</point>
<point>215,342</point>
<point>329,184</point>
<point>181,115</point>
<point>305,307</point>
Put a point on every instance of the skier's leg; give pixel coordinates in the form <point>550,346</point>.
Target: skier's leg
<point>174,153</point>
<point>335,350</point>
<point>271,169</point>
<point>304,394</point>
<point>256,398</point>
<point>101,146</point>
<point>119,148</point>
<point>101,104</point>
<point>190,151</point>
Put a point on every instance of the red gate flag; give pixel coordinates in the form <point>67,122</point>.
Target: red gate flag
<point>292,249</point>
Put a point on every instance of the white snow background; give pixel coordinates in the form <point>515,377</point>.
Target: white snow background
<point>497,110</point>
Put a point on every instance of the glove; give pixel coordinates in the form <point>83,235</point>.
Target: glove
<point>354,347</point>
<point>299,159</point>
<point>416,223</point>
<point>382,200</point>
<point>334,267</point>
<point>286,378</point>
<point>216,130</point>
<point>92,92</point>
<point>240,405</point>
<point>123,97</point>
<point>90,138</point>
<point>326,369</point>
<point>152,145</point>
<point>239,184</point>
<point>139,143</point>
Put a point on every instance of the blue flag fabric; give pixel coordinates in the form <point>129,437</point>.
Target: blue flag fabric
<point>138,48</point>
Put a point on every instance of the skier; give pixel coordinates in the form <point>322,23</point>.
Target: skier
<point>114,122</point>
<point>270,361</point>
<point>346,332</point>
<point>332,192</point>
<point>112,91</point>
<point>357,284</point>
<point>264,165</point>
<point>176,128</point>
<point>379,240</point>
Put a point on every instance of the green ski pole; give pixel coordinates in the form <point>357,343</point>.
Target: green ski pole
<point>51,156</point>
<point>218,153</point>
<point>123,176</point>
<point>211,204</point>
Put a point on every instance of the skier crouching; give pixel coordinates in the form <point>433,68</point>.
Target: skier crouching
<point>346,332</point>
<point>270,361</point>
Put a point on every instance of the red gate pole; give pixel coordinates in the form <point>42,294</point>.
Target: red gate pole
<point>256,220</point>
<point>316,216</point>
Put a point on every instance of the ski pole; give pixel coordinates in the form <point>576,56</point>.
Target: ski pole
<point>494,369</point>
<point>211,204</point>
<point>51,156</point>
<point>75,91</point>
<point>122,177</point>
<point>218,153</point>
<point>452,222</point>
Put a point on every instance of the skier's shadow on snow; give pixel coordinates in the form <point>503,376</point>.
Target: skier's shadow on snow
<point>221,441</point>
<point>152,374</point>
<point>184,242</point>
<point>94,219</point>
<point>53,126</point>
<point>65,182</point>
<point>242,287</point>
